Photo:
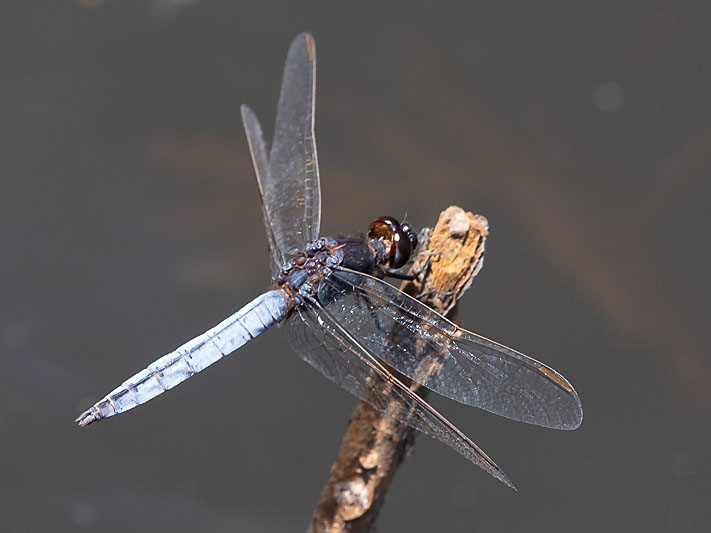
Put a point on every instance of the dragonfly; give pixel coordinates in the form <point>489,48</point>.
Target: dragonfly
<point>342,318</point>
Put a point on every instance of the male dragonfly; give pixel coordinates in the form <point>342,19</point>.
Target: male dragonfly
<point>341,318</point>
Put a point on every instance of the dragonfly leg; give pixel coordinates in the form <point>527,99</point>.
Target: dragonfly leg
<point>397,275</point>
<point>416,273</point>
<point>435,291</point>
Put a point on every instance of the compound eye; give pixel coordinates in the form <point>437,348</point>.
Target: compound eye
<point>411,234</point>
<point>383,228</point>
<point>402,248</point>
<point>401,241</point>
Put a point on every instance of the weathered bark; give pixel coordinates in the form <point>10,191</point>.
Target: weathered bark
<point>375,444</point>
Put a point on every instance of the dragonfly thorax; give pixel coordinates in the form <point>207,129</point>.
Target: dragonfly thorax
<point>301,276</point>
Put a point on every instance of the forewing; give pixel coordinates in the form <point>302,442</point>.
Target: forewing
<point>260,160</point>
<point>291,190</point>
<point>324,344</point>
<point>461,365</point>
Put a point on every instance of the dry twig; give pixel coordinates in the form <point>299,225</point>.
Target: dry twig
<point>375,444</point>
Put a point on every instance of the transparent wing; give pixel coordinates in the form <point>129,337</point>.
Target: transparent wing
<point>459,364</point>
<point>293,193</point>
<point>260,160</point>
<point>324,344</point>
<point>288,179</point>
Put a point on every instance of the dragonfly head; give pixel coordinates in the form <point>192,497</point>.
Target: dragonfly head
<point>400,239</point>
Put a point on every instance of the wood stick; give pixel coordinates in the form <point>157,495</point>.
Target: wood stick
<point>375,444</point>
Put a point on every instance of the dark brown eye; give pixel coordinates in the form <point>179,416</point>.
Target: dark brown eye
<point>400,237</point>
<point>383,228</point>
<point>411,234</point>
<point>403,249</point>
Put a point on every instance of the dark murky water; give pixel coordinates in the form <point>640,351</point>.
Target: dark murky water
<point>130,222</point>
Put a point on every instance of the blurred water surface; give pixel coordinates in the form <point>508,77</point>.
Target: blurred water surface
<point>130,223</point>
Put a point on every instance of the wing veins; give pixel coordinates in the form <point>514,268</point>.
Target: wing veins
<point>345,342</point>
<point>524,388</point>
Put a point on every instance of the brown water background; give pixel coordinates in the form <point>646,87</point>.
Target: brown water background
<point>130,222</point>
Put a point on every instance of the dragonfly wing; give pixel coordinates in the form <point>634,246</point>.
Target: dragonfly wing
<point>294,188</point>
<point>322,342</point>
<point>260,160</point>
<point>461,365</point>
<point>288,178</point>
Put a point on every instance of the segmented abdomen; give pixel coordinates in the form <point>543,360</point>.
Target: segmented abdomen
<point>192,357</point>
